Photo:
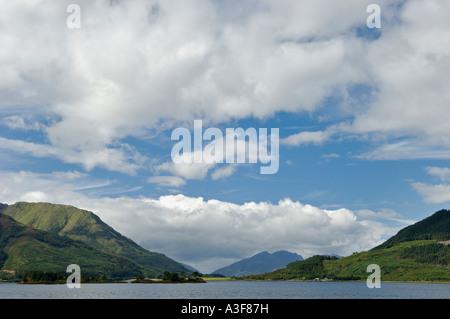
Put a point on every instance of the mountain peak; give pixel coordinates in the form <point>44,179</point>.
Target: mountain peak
<point>284,253</point>
<point>260,263</point>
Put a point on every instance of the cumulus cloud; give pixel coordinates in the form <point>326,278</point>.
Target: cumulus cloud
<point>133,66</point>
<point>408,66</point>
<point>404,115</point>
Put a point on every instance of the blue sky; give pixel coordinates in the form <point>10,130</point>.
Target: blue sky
<point>86,116</point>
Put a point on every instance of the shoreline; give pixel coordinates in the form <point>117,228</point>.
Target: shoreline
<point>158,281</point>
<point>329,280</point>
<point>208,279</point>
<point>133,281</point>
<point>64,282</point>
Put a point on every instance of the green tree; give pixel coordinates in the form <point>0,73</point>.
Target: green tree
<point>196,275</point>
<point>171,276</point>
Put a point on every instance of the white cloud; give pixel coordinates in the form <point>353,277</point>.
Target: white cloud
<point>439,193</point>
<point>317,137</point>
<point>17,122</point>
<point>442,172</point>
<point>331,155</point>
<point>70,175</point>
<point>169,62</point>
<point>171,181</point>
<point>186,170</point>
<point>223,172</point>
<point>434,194</point>
<point>406,71</point>
<point>122,158</point>
<point>245,147</point>
<point>385,213</point>
<point>38,150</point>
<point>408,149</point>
<point>57,187</point>
<point>408,66</point>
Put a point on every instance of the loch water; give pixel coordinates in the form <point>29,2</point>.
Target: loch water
<point>229,290</point>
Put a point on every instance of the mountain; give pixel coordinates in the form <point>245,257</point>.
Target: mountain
<point>436,226</point>
<point>420,252</point>
<point>86,227</point>
<point>190,268</point>
<point>259,263</point>
<point>24,248</point>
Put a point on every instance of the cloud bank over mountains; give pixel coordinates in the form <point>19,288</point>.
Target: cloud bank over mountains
<point>208,233</point>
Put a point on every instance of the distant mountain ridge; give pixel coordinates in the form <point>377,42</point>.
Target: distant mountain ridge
<point>259,263</point>
<point>86,227</point>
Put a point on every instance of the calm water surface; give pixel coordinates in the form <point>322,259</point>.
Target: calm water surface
<point>230,290</point>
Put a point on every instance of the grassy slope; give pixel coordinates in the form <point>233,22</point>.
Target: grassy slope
<point>85,226</point>
<point>413,254</point>
<point>396,264</point>
<point>25,248</point>
<point>393,262</point>
<point>436,226</point>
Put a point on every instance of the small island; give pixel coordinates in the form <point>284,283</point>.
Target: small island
<point>55,277</point>
<point>59,277</point>
<point>171,278</point>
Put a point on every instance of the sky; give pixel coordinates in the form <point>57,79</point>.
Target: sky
<point>91,95</point>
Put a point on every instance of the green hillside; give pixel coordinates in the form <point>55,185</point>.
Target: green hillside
<point>417,253</point>
<point>435,227</point>
<point>410,261</point>
<point>84,226</point>
<point>24,248</point>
